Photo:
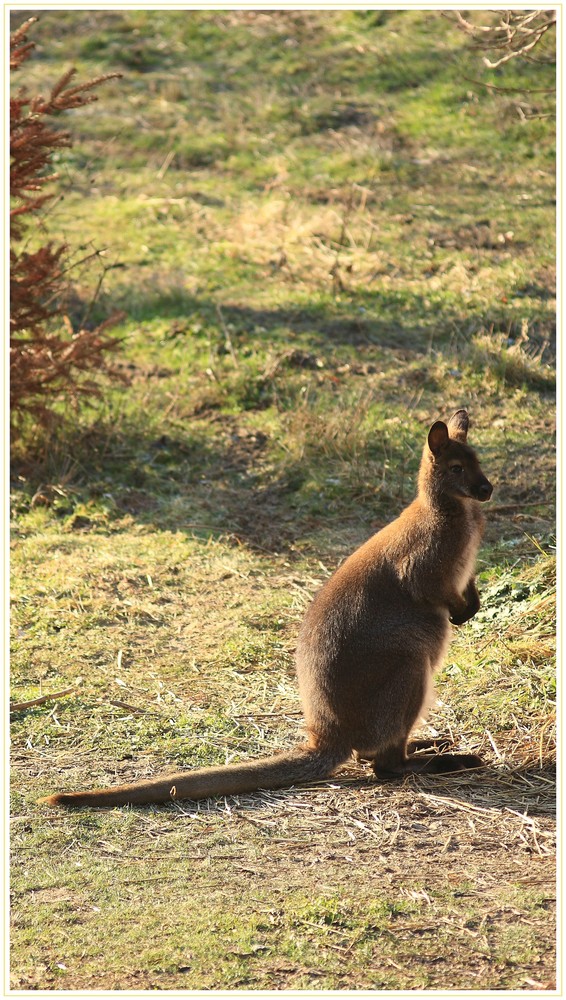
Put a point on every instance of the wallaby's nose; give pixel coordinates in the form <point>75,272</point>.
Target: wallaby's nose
<point>485,490</point>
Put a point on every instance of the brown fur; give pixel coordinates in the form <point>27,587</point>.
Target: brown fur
<point>370,642</point>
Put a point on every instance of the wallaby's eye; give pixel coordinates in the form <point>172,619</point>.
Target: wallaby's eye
<point>457,468</point>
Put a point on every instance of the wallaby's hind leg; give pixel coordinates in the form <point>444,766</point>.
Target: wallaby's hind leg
<point>394,762</point>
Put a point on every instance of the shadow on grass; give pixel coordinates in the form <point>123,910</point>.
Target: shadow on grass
<point>212,479</point>
<point>526,791</point>
<point>200,487</point>
<point>386,319</point>
<point>398,320</point>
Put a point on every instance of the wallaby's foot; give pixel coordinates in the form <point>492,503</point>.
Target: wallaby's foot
<point>439,744</point>
<point>443,763</point>
<point>438,763</point>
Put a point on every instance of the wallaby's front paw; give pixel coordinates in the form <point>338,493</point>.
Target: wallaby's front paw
<point>460,615</point>
<point>468,607</point>
<point>458,619</point>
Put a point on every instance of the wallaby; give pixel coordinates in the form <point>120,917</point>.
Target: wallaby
<point>370,642</point>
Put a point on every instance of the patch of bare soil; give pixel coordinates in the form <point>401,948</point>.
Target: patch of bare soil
<point>480,235</point>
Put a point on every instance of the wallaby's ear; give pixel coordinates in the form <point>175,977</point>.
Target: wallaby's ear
<point>458,425</point>
<point>438,437</point>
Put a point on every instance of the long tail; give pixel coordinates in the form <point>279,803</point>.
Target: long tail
<point>295,767</point>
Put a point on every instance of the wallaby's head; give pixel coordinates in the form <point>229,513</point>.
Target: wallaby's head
<point>449,466</point>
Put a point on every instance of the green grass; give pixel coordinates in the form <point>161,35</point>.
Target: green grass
<point>312,938</point>
<point>327,235</point>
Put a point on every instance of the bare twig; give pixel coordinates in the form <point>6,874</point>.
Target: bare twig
<point>21,705</point>
<point>130,708</point>
<point>508,90</point>
<point>518,506</point>
<point>166,164</point>
<point>514,36</point>
<point>265,715</point>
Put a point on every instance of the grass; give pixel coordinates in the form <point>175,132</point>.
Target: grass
<point>324,236</point>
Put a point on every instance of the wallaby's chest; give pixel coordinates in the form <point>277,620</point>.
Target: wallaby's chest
<point>459,543</point>
<point>464,565</point>
<point>436,553</point>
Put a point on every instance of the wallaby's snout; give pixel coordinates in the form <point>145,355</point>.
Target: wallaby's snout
<point>478,485</point>
<point>484,490</point>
